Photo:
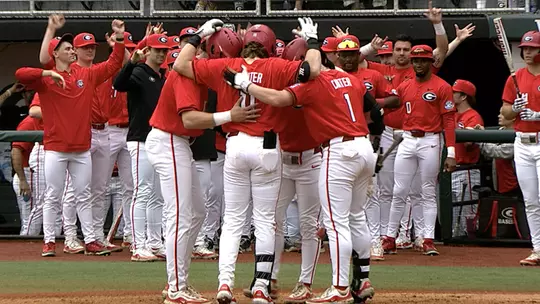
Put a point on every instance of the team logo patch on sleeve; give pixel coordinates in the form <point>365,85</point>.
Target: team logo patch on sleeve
<point>294,85</point>
<point>449,105</point>
<point>80,83</point>
<point>369,85</point>
<point>429,96</point>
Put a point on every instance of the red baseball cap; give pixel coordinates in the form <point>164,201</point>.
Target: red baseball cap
<point>172,55</point>
<point>530,38</point>
<point>187,31</point>
<point>348,43</point>
<point>329,44</point>
<point>422,51</point>
<point>465,87</point>
<point>386,49</point>
<point>56,41</point>
<point>128,40</point>
<point>158,41</point>
<point>174,41</point>
<point>84,39</point>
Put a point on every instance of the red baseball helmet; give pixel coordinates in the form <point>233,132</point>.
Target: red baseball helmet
<point>280,45</point>
<point>530,38</point>
<point>224,43</point>
<point>295,50</point>
<point>264,35</point>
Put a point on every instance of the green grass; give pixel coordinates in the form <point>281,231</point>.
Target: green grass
<point>51,276</point>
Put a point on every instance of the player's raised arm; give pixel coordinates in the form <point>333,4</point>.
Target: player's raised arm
<point>461,35</point>
<point>184,63</point>
<point>308,32</point>
<point>435,16</point>
<point>56,22</point>
<point>102,72</point>
<point>15,88</point>
<point>125,80</point>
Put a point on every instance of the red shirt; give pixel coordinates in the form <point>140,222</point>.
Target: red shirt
<point>273,73</point>
<point>334,105</point>
<point>294,133</point>
<point>375,82</point>
<point>394,117</point>
<point>530,84</point>
<point>179,94</point>
<point>468,154</point>
<point>27,124</point>
<point>221,143</point>
<point>67,112</point>
<point>101,102</point>
<point>506,175</point>
<point>118,109</point>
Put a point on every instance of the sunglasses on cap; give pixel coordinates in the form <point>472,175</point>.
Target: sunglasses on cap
<point>347,44</point>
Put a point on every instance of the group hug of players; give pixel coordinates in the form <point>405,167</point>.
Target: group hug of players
<point>307,124</point>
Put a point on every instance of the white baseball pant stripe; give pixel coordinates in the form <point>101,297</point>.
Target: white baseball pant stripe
<point>463,182</point>
<point>80,170</point>
<point>345,172</point>
<point>527,159</point>
<point>25,207</point>
<point>114,199</point>
<point>301,180</point>
<point>249,172</point>
<point>422,154</point>
<point>120,155</point>
<point>101,172</point>
<point>215,196</point>
<point>147,206</point>
<point>204,171</point>
<point>172,158</point>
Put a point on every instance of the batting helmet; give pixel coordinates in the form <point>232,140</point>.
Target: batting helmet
<point>295,50</point>
<point>531,39</point>
<point>224,43</point>
<point>264,35</point>
<point>280,46</point>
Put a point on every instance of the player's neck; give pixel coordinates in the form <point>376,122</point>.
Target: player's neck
<point>534,69</point>
<point>423,78</point>
<point>462,107</point>
<point>250,60</point>
<point>62,66</point>
<point>84,63</point>
<point>402,67</point>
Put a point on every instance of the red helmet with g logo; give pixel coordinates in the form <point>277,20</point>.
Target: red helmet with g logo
<point>224,43</point>
<point>264,35</point>
<point>531,39</point>
<point>280,46</point>
<point>295,50</point>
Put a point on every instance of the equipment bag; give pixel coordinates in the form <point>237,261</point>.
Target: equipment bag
<point>502,218</point>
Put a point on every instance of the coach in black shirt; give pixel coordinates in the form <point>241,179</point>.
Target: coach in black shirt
<point>143,83</point>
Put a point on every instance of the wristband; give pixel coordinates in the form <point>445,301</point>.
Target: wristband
<point>451,152</point>
<point>195,40</point>
<point>439,29</point>
<point>312,43</point>
<point>221,118</point>
<point>367,49</point>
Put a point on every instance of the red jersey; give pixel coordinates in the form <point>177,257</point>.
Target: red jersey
<point>529,84</point>
<point>179,94</point>
<point>375,83</point>
<point>101,102</point>
<point>27,124</point>
<point>294,133</point>
<point>394,117</point>
<point>506,175</point>
<point>333,105</point>
<point>118,110</point>
<point>273,73</point>
<point>468,154</point>
<point>67,112</point>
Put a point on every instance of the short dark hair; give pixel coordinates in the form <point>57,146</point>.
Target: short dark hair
<point>404,37</point>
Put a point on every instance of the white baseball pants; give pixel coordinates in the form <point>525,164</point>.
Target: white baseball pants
<point>205,177</point>
<point>114,198</point>
<point>147,205</point>
<point>25,207</point>
<point>101,172</point>
<point>527,159</point>
<point>302,180</point>
<point>215,197</point>
<point>422,154</point>
<point>172,158</point>
<point>249,172</point>
<point>79,167</point>
<point>120,155</point>
<point>346,170</point>
<point>292,221</point>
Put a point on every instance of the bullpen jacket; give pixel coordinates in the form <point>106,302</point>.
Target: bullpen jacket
<point>143,86</point>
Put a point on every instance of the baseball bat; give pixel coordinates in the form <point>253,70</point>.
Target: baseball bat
<point>392,147</point>
<point>505,48</point>
<point>115,224</point>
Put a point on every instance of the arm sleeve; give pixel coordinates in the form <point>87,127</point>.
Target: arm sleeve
<point>35,101</point>
<point>474,120</point>
<point>124,80</point>
<point>288,70</point>
<point>381,68</point>
<point>109,68</point>
<point>301,93</point>
<point>141,45</point>
<point>209,71</point>
<point>30,78</point>
<point>382,86</point>
<point>186,95</point>
<point>509,92</point>
<point>504,151</point>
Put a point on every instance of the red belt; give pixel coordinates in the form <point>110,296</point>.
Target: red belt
<point>121,125</point>
<point>345,138</point>
<point>297,160</point>
<point>98,126</point>
<point>420,133</point>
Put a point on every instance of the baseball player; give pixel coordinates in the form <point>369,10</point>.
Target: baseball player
<point>429,108</point>
<point>177,118</point>
<point>143,83</point>
<point>252,163</point>
<point>113,198</point>
<point>385,54</point>
<point>524,106</point>
<point>463,181</point>
<point>348,164</point>
<point>67,138</point>
<point>329,47</point>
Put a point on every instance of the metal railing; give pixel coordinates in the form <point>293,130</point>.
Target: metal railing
<point>86,9</point>
<point>155,11</point>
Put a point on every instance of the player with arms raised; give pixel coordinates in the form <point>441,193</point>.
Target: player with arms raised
<point>524,106</point>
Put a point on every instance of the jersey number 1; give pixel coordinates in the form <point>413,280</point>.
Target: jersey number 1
<point>247,100</point>
<point>349,105</point>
